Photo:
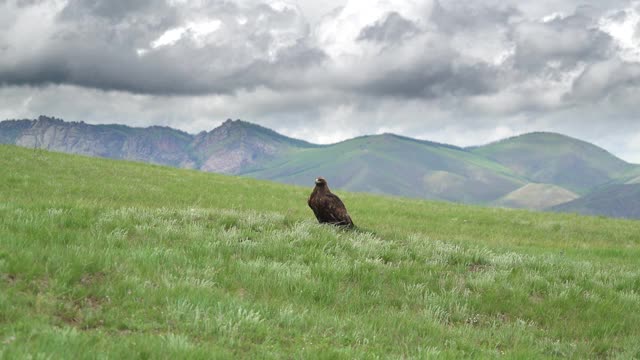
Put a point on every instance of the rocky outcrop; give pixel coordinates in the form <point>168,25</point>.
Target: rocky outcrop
<point>10,130</point>
<point>231,148</point>
<point>160,145</point>
<point>77,138</point>
<point>236,146</point>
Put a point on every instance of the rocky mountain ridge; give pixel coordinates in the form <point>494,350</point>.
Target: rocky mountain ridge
<point>228,148</point>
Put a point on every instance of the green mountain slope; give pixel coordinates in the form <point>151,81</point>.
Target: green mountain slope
<point>537,196</point>
<point>390,164</point>
<point>630,177</point>
<point>635,180</point>
<point>556,159</point>
<point>127,260</point>
<point>618,200</point>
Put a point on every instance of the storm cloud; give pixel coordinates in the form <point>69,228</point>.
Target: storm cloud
<point>444,70</point>
<point>393,28</point>
<point>172,48</point>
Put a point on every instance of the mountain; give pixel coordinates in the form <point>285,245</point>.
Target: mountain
<point>391,164</point>
<point>635,180</point>
<point>10,130</point>
<point>227,149</point>
<point>159,145</point>
<point>617,200</point>
<point>630,177</point>
<point>534,171</point>
<point>238,145</point>
<point>537,196</point>
<point>556,159</point>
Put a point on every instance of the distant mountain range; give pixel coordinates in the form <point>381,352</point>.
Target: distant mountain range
<point>542,171</point>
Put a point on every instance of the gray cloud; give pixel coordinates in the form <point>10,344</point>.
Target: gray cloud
<point>459,16</point>
<point>606,79</point>
<point>115,10</point>
<point>562,41</point>
<point>393,28</point>
<point>418,60</point>
<point>433,78</point>
<point>24,3</point>
<point>109,45</point>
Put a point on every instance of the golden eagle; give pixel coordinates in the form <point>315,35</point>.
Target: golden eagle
<point>328,207</point>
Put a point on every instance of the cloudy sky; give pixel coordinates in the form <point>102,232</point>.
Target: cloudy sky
<point>457,71</point>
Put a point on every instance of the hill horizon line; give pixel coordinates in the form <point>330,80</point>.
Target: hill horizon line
<point>230,121</point>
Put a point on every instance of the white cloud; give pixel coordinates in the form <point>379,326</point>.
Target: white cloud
<point>337,34</point>
<point>169,37</point>
<point>200,30</point>
<point>281,6</point>
<point>25,31</point>
<point>632,151</point>
<point>623,27</point>
<point>197,30</point>
<point>554,16</point>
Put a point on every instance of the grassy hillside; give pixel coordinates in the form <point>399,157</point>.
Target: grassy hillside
<point>100,258</point>
<point>556,159</point>
<point>390,164</point>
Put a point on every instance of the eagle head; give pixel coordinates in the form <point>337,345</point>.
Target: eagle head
<point>320,181</point>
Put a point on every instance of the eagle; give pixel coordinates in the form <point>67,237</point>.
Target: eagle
<point>327,206</point>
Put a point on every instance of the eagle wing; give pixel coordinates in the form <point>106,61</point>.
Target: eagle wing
<point>330,209</point>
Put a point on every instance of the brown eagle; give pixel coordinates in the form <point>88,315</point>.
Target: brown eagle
<point>328,207</point>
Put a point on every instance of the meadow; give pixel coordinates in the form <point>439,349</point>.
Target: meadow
<point>104,259</point>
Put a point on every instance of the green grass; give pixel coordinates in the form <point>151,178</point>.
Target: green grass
<point>107,259</point>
